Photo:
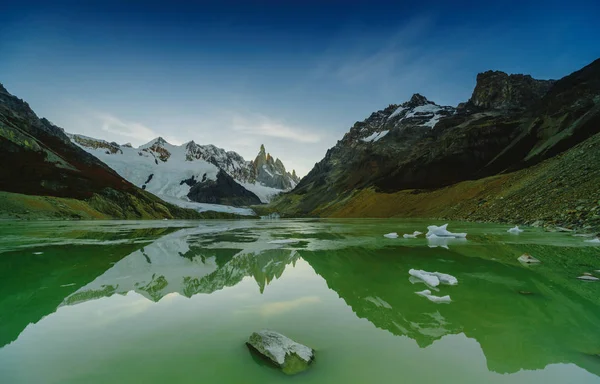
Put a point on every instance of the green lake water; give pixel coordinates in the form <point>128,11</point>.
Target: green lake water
<point>175,301</point>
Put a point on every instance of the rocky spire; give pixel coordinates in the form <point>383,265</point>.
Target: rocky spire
<point>262,151</point>
<point>416,100</point>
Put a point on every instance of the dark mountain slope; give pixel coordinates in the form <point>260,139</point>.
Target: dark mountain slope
<point>511,123</point>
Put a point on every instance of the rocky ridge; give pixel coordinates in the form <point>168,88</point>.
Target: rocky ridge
<point>510,124</point>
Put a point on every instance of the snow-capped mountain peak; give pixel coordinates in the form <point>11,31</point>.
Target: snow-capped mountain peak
<point>200,173</point>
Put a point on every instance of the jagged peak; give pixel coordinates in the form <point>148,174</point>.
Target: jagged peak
<point>2,89</point>
<point>417,100</point>
<point>158,141</point>
<point>262,150</point>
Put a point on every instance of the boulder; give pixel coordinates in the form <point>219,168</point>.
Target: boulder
<point>282,351</point>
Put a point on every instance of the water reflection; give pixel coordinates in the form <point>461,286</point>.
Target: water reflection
<point>522,318</point>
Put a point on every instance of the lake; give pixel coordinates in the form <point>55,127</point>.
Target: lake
<point>175,301</point>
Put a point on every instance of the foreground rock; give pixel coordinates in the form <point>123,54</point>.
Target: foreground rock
<point>282,351</point>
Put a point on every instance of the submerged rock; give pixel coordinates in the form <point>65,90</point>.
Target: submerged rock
<point>282,351</point>
<point>528,259</point>
<point>526,293</point>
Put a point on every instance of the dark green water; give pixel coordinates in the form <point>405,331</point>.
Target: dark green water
<point>155,302</point>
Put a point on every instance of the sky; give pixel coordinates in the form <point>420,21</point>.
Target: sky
<point>292,75</point>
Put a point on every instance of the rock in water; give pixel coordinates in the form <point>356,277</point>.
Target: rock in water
<point>528,259</point>
<point>284,352</point>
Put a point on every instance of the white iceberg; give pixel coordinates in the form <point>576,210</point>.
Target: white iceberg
<point>435,241</point>
<point>445,278</point>
<point>413,235</point>
<point>427,277</point>
<point>515,230</point>
<point>442,231</point>
<point>436,299</point>
<point>416,280</point>
<point>593,241</point>
<point>528,259</point>
<point>588,278</point>
<point>392,235</point>
<point>431,278</point>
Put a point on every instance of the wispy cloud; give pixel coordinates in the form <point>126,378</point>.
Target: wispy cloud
<point>260,125</point>
<point>133,130</point>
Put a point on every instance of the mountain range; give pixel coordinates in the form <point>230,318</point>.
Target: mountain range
<point>520,149</point>
<point>193,172</point>
<point>48,173</point>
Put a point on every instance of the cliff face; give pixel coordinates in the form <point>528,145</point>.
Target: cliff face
<point>498,90</point>
<point>511,123</point>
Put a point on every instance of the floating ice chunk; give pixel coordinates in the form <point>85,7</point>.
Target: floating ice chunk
<point>284,241</point>
<point>515,230</point>
<point>37,253</point>
<point>435,241</point>
<point>588,278</point>
<point>442,278</point>
<point>416,280</point>
<point>392,235</point>
<point>442,231</point>
<point>445,278</point>
<point>412,236</point>
<point>436,299</point>
<point>427,277</point>
<point>528,259</point>
<point>593,241</point>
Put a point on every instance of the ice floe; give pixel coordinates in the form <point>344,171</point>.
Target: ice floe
<point>427,277</point>
<point>433,278</point>
<point>515,231</point>
<point>588,278</point>
<point>593,241</point>
<point>413,235</point>
<point>436,299</point>
<point>442,231</point>
<point>392,235</point>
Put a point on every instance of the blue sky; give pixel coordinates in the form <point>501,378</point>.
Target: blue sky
<point>292,75</point>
